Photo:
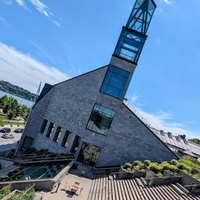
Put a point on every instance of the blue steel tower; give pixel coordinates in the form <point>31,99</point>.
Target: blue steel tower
<point>128,49</point>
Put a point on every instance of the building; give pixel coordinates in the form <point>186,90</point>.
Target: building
<point>86,115</point>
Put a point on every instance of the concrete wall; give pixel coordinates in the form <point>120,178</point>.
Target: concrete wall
<point>69,105</point>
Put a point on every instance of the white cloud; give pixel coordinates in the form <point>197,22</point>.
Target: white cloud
<point>161,121</point>
<point>22,70</point>
<point>20,2</point>
<point>167,2</point>
<point>40,6</point>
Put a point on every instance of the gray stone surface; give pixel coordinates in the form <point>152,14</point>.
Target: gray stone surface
<point>69,105</point>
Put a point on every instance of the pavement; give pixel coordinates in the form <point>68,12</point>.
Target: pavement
<point>7,144</point>
<point>63,190</point>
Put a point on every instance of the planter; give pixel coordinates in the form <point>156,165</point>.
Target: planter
<point>124,174</point>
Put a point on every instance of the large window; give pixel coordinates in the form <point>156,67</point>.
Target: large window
<point>129,45</point>
<point>100,119</point>
<point>50,129</point>
<point>115,81</point>
<point>44,124</point>
<point>66,139</point>
<point>57,134</point>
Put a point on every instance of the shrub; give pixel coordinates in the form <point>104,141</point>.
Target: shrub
<point>188,162</point>
<point>137,162</point>
<point>174,162</point>
<point>155,168</point>
<point>127,165</point>
<point>147,162</point>
<point>184,167</point>
<point>5,191</point>
<point>165,165</point>
<point>138,165</point>
<point>197,176</point>
<point>173,169</point>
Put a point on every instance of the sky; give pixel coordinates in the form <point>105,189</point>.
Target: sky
<point>50,41</point>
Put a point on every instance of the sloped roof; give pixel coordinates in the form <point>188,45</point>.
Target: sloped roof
<point>178,142</point>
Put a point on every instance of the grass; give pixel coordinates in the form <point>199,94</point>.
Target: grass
<point>8,122</point>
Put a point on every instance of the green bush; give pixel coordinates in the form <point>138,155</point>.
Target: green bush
<point>173,169</point>
<point>188,162</point>
<point>147,162</point>
<point>138,165</point>
<point>184,167</point>
<point>174,162</point>
<point>137,162</point>
<point>197,176</point>
<point>165,165</point>
<point>155,168</point>
<point>5,191</point>
<point>127,165</point>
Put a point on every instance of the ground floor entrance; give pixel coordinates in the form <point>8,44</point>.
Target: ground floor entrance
<point>89,154</point>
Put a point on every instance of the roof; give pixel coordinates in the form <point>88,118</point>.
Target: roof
<point>178,142</point>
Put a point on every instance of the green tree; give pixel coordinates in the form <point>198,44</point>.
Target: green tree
<point>195,140</point>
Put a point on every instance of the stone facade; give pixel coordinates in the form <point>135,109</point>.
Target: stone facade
<point>69,105</point>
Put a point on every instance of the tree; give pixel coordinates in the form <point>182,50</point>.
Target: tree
<point>12,108</point>
<point>195,140</point>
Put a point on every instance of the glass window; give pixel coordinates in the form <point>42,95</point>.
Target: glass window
<point>50,130</point>
<point>100,119</point>
<point>115,81</point>
<point>57,134</point>
<point>27,144</point>
<point>44,124</point>
<point>129,45</point>
<point>66,139</point>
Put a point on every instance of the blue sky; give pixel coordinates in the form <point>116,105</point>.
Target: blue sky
<point>51,41</point>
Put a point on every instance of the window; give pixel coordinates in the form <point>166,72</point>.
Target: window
<point>50,130</point>
<point>75,144</point>
<point>27,144</point>
<point>66,139</point>
<point>115,81</point>
<point>100,119</point>
<point>57,134</point>
<point>129,45</point>
<point>44,124</point>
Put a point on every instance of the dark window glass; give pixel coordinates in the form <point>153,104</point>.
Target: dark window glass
<point>66,139</point>
<point>129,45</point>
<point>27,144</point>
<point>50,130</point>
<point>100,119</point>
<point>76,143</point>
<point>115,81</point>
<point>57,134</point>
<point>44,124</point>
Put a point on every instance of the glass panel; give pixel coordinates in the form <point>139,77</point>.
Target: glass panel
<point>89,154</point>
<point>50,130</point>
<point>100,119</point>
<point>66,139</point>
<point>115,81</point>
<point>57,134</point>
<point>27,144</point>
<point>130,45</point>
<point>44,123</point>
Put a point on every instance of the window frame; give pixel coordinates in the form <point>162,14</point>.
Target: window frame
<point>99,111</point>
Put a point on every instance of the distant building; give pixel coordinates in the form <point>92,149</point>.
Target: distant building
<point>86,115</point>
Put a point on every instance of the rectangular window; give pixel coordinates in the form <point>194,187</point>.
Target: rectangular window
<point>50,129</point>
<point>66,139</point>
<point>115,82</point>
<point>57,134</point>
<point>27,144</point>
<point>130,44</point>
<point>44,124</point>
<point>100,119</point>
